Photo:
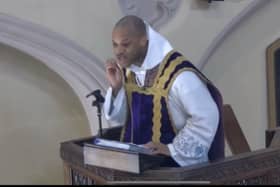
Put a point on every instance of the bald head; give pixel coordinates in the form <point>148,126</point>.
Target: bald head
<point>129,40</point>
<point>133,24</point>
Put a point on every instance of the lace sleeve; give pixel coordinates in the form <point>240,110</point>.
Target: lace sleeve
<point>187,149</point>
<point>188,146</point>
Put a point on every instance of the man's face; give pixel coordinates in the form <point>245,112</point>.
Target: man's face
<point>128,48</point>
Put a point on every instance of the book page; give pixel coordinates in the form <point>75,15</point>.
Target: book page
<point>110,143</point>
<point>122,145</point>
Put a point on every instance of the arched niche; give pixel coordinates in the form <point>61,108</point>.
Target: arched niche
<point>39,110</point>
<point>78,67</point>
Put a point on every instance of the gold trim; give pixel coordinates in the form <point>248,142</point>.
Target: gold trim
<point>128,97</point>
<point>168,71</point>
<point>157,87</point>
<point>156,119</point>
<point>270,68</point>
<point>162,66</point>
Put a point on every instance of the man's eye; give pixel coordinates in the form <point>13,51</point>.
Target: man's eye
<point>126,44</point>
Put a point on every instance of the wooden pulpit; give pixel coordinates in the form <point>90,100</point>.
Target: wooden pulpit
<point>247,167</point>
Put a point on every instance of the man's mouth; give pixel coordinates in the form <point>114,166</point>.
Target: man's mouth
<point>120,58</point>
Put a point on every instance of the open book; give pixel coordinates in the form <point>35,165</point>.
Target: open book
<point>122,146</point>
<point>120,156</point>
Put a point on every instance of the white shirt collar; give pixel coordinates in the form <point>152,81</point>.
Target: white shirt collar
<point>158,48</point>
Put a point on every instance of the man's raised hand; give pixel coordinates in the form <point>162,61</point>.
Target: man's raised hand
<point>114,75</point>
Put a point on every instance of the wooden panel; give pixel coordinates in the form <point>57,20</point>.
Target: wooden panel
<point>67,174</point>
<point>255,167</point>
<point>233,133</point>
<point>272,137</point>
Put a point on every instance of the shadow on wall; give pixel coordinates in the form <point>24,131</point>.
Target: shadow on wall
<point>38,111</point>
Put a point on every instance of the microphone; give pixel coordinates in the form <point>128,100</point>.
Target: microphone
<point>98,96</point>
<point>98,100</point>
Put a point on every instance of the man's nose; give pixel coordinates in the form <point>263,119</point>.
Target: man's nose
<point>119,50</point>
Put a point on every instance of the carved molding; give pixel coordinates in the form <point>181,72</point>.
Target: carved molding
<point>155,12</point>
<point>247,11</point>
<point>79,68</point>
<point>150,11</point>
<point>78,179</point>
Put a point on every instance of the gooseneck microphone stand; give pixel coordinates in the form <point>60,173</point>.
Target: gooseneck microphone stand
<point>99,99</point>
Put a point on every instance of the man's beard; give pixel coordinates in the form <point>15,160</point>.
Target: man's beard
<point>140,57</point>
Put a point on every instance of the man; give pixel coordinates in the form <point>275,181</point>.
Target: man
<point>162,100</point>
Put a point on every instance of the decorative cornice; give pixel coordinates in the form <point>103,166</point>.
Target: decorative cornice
<point>246,12</point>
<point>155,12</point>
<point>159,12</point>
<point>78,67</point>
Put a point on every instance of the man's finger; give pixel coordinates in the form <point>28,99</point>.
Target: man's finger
<point>149,145</point>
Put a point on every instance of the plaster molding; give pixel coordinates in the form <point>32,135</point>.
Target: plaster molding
<point>159,12</point>
<point>246,12</point>
<point>155,12</point>
<point>78,67</point>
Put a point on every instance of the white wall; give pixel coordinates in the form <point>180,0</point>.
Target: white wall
<point>88,23</point>
<point>38,111</point>
<point>197,23</point>
<point>238,67</point>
